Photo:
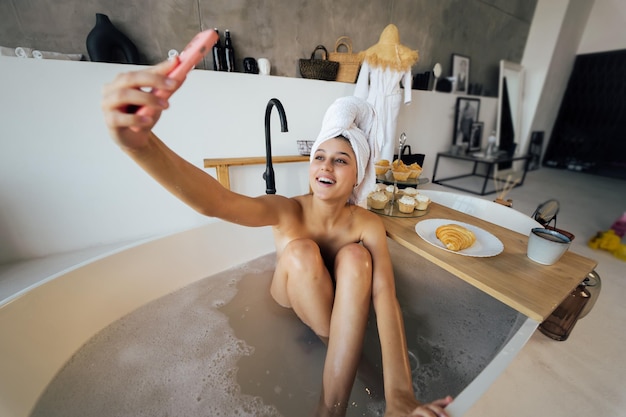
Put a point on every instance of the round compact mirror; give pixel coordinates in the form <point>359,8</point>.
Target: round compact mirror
<point>437,70</point>
<point>546,212</point>
<point>436,74</point>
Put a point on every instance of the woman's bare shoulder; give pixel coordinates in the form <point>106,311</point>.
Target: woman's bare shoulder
<point>368,220</point>
<point>373,232</point>
<point>289,206</point>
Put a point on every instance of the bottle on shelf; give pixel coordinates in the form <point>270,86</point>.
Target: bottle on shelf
<point>229,53</point>
<point>218,54</point>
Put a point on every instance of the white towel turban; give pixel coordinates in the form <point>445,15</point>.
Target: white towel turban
<point>354,119</point>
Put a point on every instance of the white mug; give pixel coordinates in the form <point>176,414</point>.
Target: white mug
<point>264,66</point>
<point>546,246</point>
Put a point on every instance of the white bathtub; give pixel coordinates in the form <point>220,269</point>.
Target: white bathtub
<point>43,326</point>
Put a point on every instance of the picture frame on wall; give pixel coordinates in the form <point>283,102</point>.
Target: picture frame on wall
<point>476,136</point>
<point>460,72</point>
<point>466,114</point>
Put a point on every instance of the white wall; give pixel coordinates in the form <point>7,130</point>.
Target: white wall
<point>560,30</point>
<point>65,186</point>
<point>555,33</point>
<point>540,46</point>
<point>605,29</point>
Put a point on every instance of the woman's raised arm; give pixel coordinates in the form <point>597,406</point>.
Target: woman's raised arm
<point>133,133</point>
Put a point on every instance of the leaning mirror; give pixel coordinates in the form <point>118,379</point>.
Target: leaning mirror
<point>510,96</point>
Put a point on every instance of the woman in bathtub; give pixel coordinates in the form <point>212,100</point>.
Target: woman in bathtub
<point>332,255</point>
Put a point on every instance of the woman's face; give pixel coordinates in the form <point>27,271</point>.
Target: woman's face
<point>333,169</point>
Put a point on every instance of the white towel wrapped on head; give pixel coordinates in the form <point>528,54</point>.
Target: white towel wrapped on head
<point>354,119</point>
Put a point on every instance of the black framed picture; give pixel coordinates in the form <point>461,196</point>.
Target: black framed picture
<point>476,136</point>
<point>466,114</point>
<point>460,72</point>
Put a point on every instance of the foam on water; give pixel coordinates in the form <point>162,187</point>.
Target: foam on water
<point>219,347</point>
<point>223,347</point>
<point>175,356</point>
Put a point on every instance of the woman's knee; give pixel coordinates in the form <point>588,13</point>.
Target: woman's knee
<point>301,254</point>
<point>353,269</point>
<point>354,257</point>
<point>305,285</point>
<point>303,267</point>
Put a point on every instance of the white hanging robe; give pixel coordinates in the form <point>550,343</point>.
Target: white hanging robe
<point>381,88</point>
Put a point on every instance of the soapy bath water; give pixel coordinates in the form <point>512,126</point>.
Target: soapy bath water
<point>223,347</point>
<point>219,347</point>
<point>175,356</point>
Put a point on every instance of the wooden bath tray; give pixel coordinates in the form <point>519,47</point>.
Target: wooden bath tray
<point>532,289</point>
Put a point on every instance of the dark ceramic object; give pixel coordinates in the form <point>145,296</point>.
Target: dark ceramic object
<point>250,66</point>
<point>105,43</point>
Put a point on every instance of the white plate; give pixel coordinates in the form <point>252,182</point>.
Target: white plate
<point>486,244</point>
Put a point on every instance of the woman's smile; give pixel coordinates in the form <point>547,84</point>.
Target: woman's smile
<point>325,179</point>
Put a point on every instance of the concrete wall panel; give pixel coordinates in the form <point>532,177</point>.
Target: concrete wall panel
<point>284,30</point>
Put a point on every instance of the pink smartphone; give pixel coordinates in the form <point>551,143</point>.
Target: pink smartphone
<point>187,60</point>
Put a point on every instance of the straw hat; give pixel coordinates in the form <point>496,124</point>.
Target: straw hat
<point>388,52</point>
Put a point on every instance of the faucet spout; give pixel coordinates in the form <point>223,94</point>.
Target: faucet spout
<point>268,175</point>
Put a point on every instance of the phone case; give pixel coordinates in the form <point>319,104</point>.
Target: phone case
<point>193,53</point>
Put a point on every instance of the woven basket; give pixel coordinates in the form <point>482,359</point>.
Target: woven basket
<point>304,147</point>
<point>349,63</point>
<point>319,69</point>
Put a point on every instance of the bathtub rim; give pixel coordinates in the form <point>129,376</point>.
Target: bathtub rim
<point>52,271</point>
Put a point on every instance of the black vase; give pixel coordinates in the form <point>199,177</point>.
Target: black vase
<point>105,43</point>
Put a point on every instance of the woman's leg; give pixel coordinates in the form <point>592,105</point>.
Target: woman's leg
<point>353,293</point>
<point>337,313</point>
<point>301,281</point>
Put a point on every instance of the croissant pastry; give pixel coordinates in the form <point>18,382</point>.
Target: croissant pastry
<point>455,237</point>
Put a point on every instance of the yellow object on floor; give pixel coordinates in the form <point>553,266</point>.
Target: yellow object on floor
<point>610,242</point>
<point>620,252</point>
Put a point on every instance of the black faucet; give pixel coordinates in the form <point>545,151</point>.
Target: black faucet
<point>268,176</point>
